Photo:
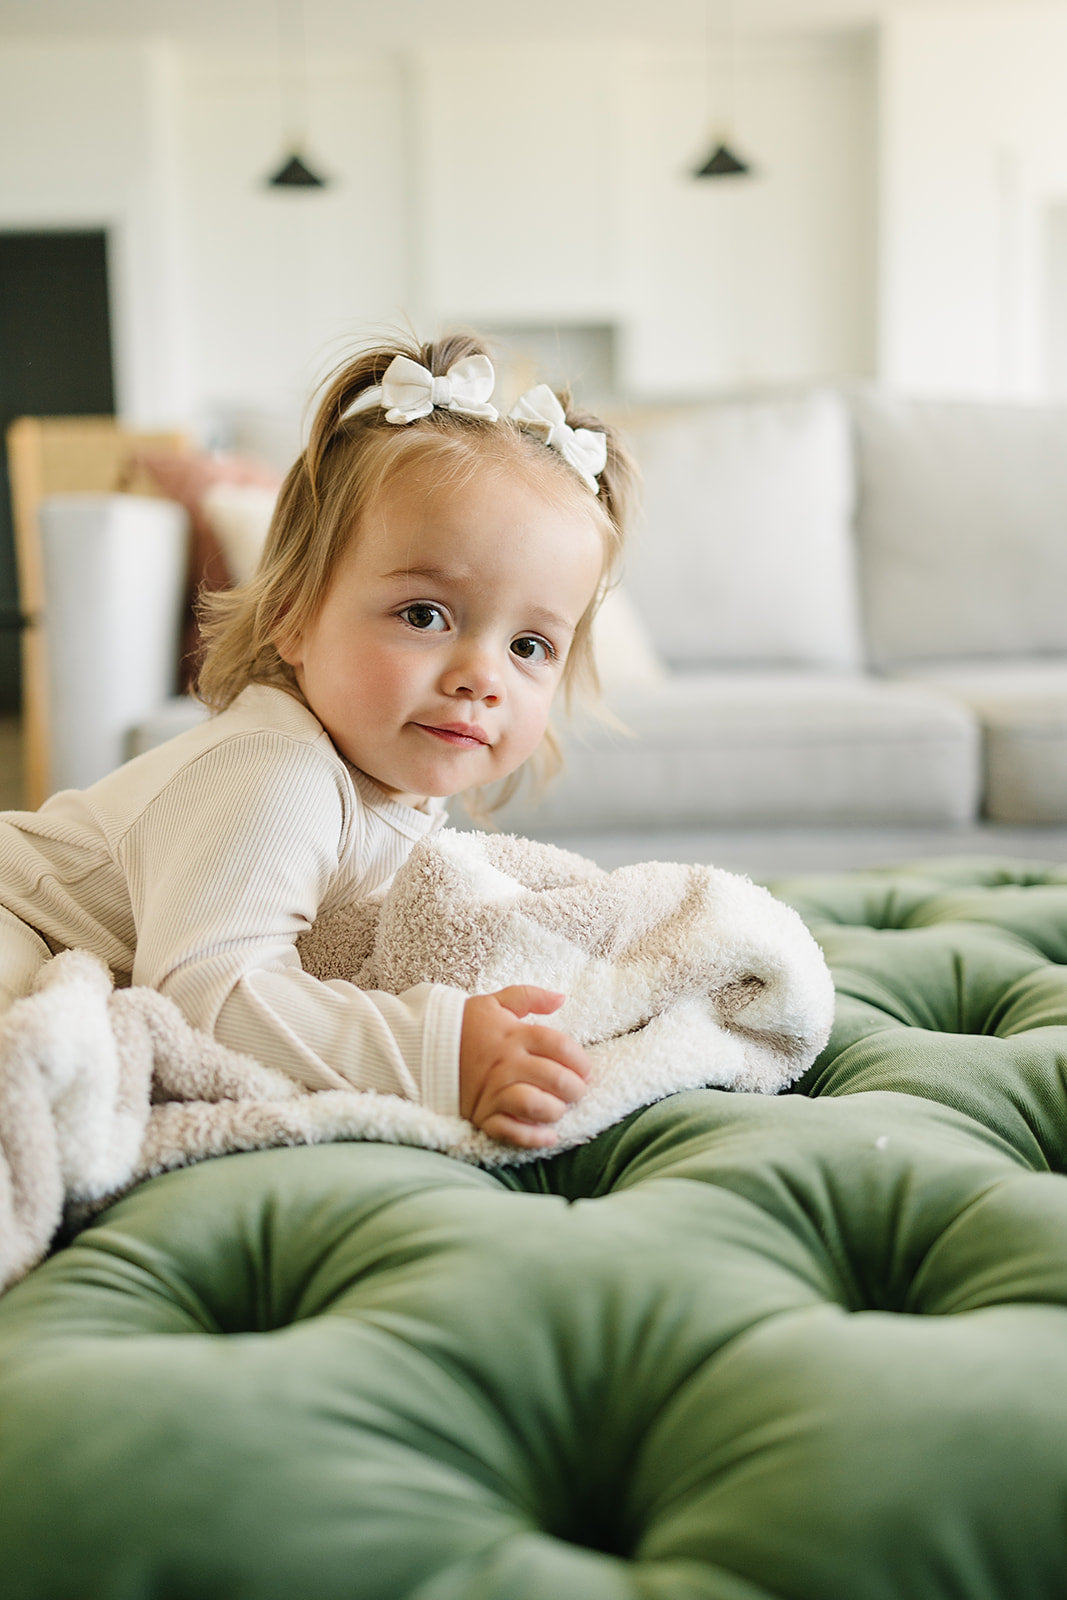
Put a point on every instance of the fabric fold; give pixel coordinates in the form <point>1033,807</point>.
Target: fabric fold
<point>676,977</point>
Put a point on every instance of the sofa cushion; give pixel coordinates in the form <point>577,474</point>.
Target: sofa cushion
<point>626,655</point>
<point>961,528</point>
<point>1022,708</point>
<point>746,555</point>
<point>764,747</point>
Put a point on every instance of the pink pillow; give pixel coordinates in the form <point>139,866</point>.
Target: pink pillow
<point>186,476</point>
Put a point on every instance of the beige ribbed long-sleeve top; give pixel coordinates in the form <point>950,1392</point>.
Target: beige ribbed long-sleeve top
<point>195,867</point>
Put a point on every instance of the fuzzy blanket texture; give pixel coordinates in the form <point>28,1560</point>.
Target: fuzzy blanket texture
<point>676,977</point>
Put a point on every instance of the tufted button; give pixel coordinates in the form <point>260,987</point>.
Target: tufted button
<point>811,1346</point>
<point>433,1377</point>
<point>954,990</point>
<point>950,890</point>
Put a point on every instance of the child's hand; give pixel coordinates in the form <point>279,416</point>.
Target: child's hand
<point>515,1077</point>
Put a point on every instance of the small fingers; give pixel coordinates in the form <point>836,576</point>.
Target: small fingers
<point>551,1045</point>
<point>529,1103</point>
<point>550,1076</point>
<point>544,1074</point>
<point>534,1099</point>
<point>528,1135</point>
<point>526,998</point>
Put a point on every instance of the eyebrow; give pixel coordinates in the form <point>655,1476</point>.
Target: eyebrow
<point>444,575</point>
<point>431,574</point>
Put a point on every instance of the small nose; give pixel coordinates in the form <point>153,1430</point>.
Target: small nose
<point>473,674</point>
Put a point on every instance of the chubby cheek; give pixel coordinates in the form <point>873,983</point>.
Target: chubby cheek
<point>386,675</point>
<point>528,724</point>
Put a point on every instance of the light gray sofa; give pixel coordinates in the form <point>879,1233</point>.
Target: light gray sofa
<point>842,636</point>
<point>859,606</point>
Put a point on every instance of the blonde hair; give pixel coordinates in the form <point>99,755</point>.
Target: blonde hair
<point>349,461</point>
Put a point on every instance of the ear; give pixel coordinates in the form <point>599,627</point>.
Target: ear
<point>290,646</point>
<point>287,638</point>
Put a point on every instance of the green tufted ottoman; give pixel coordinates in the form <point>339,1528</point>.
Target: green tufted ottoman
<point>810,1348</point>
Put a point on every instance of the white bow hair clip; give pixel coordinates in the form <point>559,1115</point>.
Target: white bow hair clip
<point>539,411</point>
<point>409,391</point>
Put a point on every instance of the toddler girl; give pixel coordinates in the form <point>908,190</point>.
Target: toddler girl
<point>428,584</point>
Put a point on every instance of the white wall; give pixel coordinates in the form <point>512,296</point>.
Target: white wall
<point>88,140</point>
<point>522,180</point>
<point>973,156</point>
<point>764,279</point>
<point>509,185</point>
<point>279,279</point>
<point>504,184</point>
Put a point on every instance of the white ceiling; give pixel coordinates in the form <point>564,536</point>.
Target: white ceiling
<point>348,24</point>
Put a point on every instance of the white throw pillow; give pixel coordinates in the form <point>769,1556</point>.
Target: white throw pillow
<point>962,528</point>
<point>626,657</point>
<point>745,556</point>
<point>239,514</point>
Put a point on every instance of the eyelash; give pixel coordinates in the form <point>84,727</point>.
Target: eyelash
<point>421,605</point>
<point>427,605</point>
<point>550,654</point>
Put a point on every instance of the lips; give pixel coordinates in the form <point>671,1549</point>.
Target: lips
<point>464,735</point>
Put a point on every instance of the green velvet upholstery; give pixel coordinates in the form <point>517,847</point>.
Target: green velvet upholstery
<point>811,1347</point>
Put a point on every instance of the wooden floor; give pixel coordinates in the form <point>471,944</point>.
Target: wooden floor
<point>10,764</point>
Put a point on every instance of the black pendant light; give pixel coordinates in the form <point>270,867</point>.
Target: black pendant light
<point>722,163</point>
<point>294,171</point>
<point>723,160</point>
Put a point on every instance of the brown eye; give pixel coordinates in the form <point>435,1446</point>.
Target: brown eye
<point>425,617</point>
<point>529,648</point>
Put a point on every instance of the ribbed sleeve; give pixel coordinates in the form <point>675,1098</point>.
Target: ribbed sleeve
<point>201,863</point>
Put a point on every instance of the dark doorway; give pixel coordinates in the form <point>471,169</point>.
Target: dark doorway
<point>55,361</point>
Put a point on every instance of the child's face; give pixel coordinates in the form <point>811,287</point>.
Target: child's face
<point>435,655</point>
